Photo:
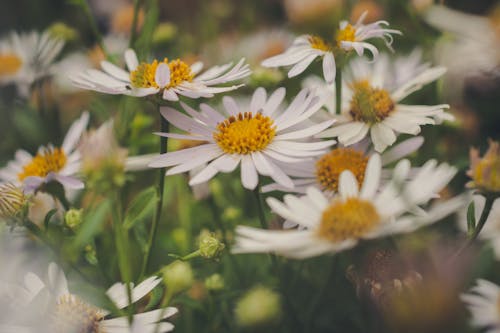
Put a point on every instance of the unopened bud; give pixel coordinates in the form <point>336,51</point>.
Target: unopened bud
<point>178,276</point>
<point>164,33</point>
<point>214,282</point>
<point>63,31</point>
<point>257,307</point>
<point>73,218</point>
<point>210,247</point>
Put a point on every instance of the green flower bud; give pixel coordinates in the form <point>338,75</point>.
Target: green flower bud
<point>214,282</point>
<point>231,213</point>
<point>210,247</point>
<point>164,33</point>
<point>265,77</point>
<point>63,31</point>
<point>178,276</point>
<point>258,306</point>
<point>73,218</point>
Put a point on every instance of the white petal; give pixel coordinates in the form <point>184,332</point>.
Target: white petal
<point>162,75</point>
<point>329,69</point>
<point>348,186</point>
<point>372,177</point>
<point>131,60</point>
<point>249,176</point>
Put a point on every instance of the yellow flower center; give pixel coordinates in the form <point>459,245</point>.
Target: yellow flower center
<point>9,64</point>
<point>72,315</point>
<point>348,34</point>
<point>48,160</point>
<point>318,43</point>
<point>348,219</point>
<point>245,133</point>
<point>368,104</point>
<point>144,75</point>
<point>12,199</point>
<point>487,173</point>
<point>331,165</point>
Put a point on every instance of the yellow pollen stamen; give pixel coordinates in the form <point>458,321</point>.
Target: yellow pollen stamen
<point>73,315</point>
<point>318,43</point>
<point>245,133</point>
<point>348,34</point>
<point>45,161</point>
<point>144,75</point>
<point>12,200</point>
<point>368,104</point>
<point>330,166</point>
<point>350,219</point>
<point>9,64</point>
<point>485,171</point>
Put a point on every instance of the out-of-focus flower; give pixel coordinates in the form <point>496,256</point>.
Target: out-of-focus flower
<point>337,224</point>
<point>373,10</point>
<point>472,46</point>
<point>27,57</point>
<point>164,33</point>
<point>103,160</point>
<point>349,37</point>
<point>254,138</point>
<point>51,163</point>
<point>299,11</point>
<point>12,201</point>
<point>482,302</point>
<point>59,30</point>
<point>167,78</point>
<point>485,171</point>
<point>258,306</point>
<point>214,282</point>
<point>178,276</point>
<point>122,19</point>
<point>371,97</point>
<point>62,311</point>
<point>323,171</point>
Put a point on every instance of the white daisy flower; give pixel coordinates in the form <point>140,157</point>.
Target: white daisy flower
<point>255,136</point>
<point>51,163</point>
<point>323,171</point>
<point>27,57</point>
<point>333,225</point>
<point>371,97</point>
<point>349,37</point>
<point>62,311</point>
<point>482,302</point>
<point>168,78</point>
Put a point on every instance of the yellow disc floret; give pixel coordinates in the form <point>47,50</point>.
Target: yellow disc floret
<point>485,171</point>
<point>9,64</point>
<point>368,104</point>
<point>74,315</point>
<point>348,34</point>
<point>46,161</point>
<point>318,43</point>
<point>245,133</point>
<point>349,219</point>
<point>331,165</point>
<point>144,75</point>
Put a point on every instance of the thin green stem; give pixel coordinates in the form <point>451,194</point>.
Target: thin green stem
<point>93,25</point>
<point>135,19</point>
<point>338,90</point>
<point>260,207</point>
<point>159,198</point>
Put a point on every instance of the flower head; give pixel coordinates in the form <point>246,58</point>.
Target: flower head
<point>349,37</point>
<point>27,57</point>
<point>167,77</point>
<point>485,171</point>
<point>257,137</point>
<point>330,225</point>
<point>371,101</point>
<point>50,163</point>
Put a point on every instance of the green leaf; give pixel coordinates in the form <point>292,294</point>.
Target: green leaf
<point>140,208</point>
<point>471,218</point>
<point>47,218</point>
<point>91,225</point>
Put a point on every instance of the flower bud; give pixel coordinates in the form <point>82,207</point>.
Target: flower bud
<point>258,306</point>
<point>178,276</point>
<point>73,218</point>
<point>214,282</point>
<point>62,31</point>
<point>485,171</point>
<point>164,33</point>
<point>210,247</point>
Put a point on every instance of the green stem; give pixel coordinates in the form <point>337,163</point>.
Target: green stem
<point>133,28</point>
<point>163,307</point>
<point>260,207</point>
<point>159,197</point>
<point>93,25</point>
<point>338,90</point>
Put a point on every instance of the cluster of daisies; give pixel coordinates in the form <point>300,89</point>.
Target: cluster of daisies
<point>348,173</point>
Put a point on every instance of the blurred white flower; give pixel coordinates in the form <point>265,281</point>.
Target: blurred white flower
<point>482,302</point>
<point>331,225</point>
<point>27,57</point>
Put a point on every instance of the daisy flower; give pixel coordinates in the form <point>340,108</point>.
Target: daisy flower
<point>482,302</point>
<point>168,78</point>
<point>371,103</point>
<point>333,225</point>
<point>50,163</point>
<point>27,57</point>
<point>323,171</point>
<point>349,37</point>
<point>255,136</point>
<point>62,311</point>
